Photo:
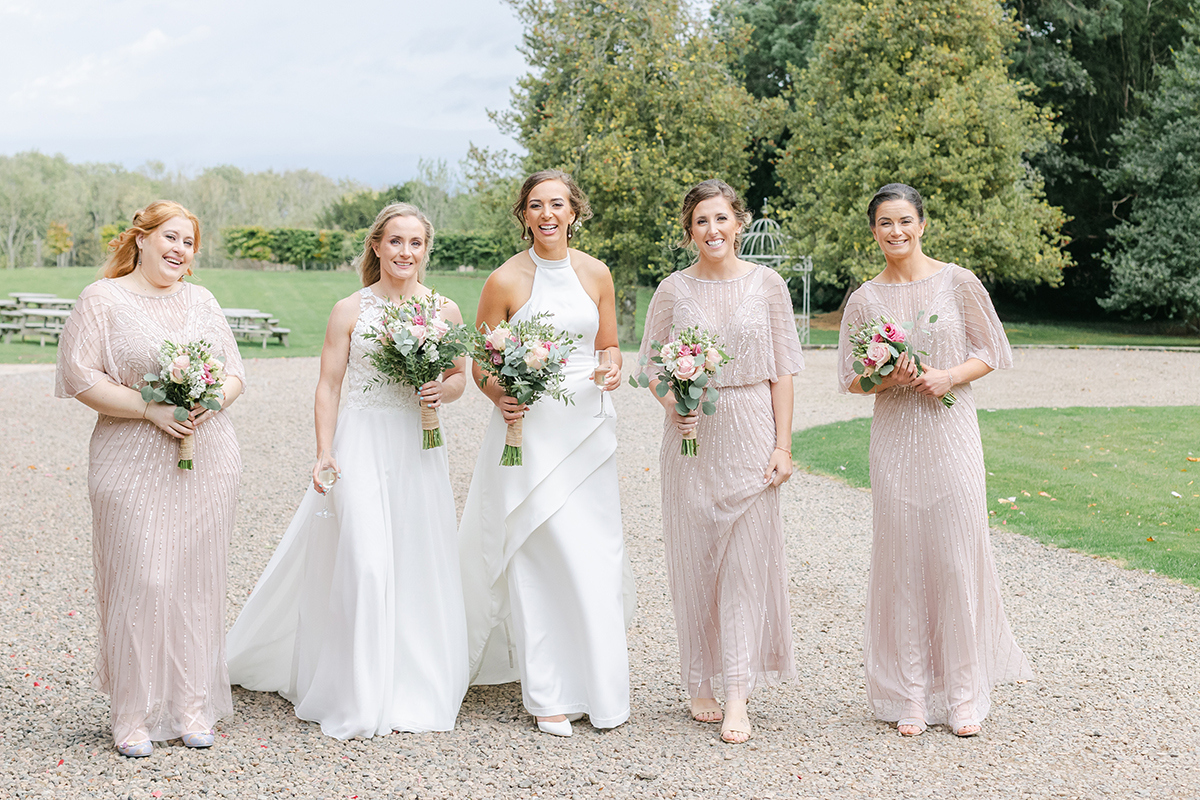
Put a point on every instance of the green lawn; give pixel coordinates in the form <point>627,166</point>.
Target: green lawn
<point>1112,482</point>
<point>1097,333</point>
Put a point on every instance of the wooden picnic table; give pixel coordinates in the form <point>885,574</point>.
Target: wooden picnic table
<point>254,325</point>
<point>19,295</point>
<point>44,323</point>
<point>48,302</point>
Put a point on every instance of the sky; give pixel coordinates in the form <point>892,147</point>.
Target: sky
<point>357,89</point>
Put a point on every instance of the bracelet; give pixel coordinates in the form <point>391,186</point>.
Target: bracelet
<point>144,410</point>
<point>784,449</point>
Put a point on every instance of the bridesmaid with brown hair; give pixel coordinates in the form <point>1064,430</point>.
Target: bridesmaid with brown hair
<point>160,534</point>
<point>721,523</point>
<point>936,639</point>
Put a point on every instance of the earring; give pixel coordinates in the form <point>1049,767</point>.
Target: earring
<point>525,233</point>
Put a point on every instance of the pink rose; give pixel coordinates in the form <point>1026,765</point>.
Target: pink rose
<point>685,369</point>
<point>439,327</point>
<point>497,359</point>
<point>878,353</point>
<point>893,333</point>
<point>697,349</point>
<point>418,331</point>
<point>537,356</point>
<point>418,319</point>
<point>179,367</point>
<point>498,338</point>
<point>208,376</point>
<point>712,358</point>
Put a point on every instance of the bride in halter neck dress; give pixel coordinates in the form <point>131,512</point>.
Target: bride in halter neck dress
<point>544,570</point>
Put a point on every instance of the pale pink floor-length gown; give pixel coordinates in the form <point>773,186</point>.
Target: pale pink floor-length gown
<point>160,534</point>
<point>936,637</point>
<point>721,524</point>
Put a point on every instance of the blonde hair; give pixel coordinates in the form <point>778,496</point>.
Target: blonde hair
<point>706,190</point>
<point>575,196</point>
<point>368,262</point>
<point>123,251</point>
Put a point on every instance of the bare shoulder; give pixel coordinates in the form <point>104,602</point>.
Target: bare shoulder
<point>345,313</point>
<point>511,274</point>
<point>451,310</point>
<point>589,265</point>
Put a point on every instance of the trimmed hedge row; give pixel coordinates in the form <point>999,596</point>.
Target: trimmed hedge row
<point>308,248</point>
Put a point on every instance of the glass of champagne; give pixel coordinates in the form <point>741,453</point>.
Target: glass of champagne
<point>603,362</point>
<point>327,477</point>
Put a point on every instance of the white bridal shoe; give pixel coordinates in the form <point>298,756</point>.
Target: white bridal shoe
<point>562,728</point>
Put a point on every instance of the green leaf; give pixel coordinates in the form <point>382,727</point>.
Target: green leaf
<point>644,380</point>
<point>711,394</point>
<point>661,389</point>
<point>700,380</point>
<point>886,369</point>
<point>180,413</point>
<point>933,318</point>
<point>695,392</point>
<point>681,409</point>
<point>150,377</point>
<point>708,407</point>
<point>859,368</point>
<point>148,394</point>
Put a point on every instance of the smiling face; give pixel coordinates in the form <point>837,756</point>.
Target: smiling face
<point>898,228</point>
<point>715,228</point>
<point>402,248</point>
<point>548,213</point>
<point>167,252</point>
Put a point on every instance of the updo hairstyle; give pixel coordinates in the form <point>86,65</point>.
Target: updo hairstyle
<point>706,190</point>
<point>576,197</point>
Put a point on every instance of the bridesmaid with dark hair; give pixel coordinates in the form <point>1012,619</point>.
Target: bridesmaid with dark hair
<point>721,523</point>
<point>936,639</point>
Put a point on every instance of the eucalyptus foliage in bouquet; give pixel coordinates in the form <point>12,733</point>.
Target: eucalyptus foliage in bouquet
<point>526,359</point>
<point>877,343</point>
<point>189,375</point>
<point>417,344</point>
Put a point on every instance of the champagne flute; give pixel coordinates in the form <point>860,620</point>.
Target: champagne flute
<point>599,376</point>
<point>326,477</point>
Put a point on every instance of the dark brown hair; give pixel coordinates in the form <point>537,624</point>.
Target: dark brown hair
<point>123,250</point>
<point>368,262</point>
<point>576,197</point>
<point>706,190</point>
<point>896,191</point>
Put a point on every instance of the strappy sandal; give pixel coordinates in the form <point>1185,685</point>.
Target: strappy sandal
<point>717,711</point>
<point>729,733</point>
<point>968,730</point>
<point>916,726</point>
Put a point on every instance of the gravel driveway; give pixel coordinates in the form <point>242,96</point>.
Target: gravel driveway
<point>1112,712</point>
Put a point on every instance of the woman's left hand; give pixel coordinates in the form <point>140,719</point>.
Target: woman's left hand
<point>200,414</point>
<point>431,394</point>
<point>613,379</point>
<point>779,467</point>
<point>933,382</point>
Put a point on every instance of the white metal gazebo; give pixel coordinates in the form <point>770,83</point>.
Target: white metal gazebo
<point>765,243</point>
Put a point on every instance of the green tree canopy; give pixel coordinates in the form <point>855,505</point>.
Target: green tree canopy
<point>358,209</point>
<point>918,92</point>
<point>636,100</point>
<point>1155,258</point>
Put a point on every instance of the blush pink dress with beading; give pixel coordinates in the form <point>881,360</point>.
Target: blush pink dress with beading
<point>936,637</point>
<point>721,524</point>
<point>160,534</point>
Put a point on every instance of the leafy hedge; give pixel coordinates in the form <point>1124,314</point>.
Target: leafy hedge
<point>327,249</point>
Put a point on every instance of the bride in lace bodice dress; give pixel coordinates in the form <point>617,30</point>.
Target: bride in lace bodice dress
<point>358,618</point>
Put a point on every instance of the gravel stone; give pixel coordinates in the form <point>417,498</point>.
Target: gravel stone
<point>1113,709</point>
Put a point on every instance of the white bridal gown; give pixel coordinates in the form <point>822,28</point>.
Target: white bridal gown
<point>358,619</point>
<point>544,571</point>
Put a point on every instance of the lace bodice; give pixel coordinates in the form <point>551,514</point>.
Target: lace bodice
<point>360,371</point>
<point>751,315</point>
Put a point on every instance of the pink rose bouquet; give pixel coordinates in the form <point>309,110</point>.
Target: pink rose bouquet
<point>416,345</point>
<point>687,365</point>
<point>877,344</point>
<point>189,375</point>
<point>526,359</point>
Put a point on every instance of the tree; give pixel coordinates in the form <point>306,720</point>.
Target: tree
<point>59,242</point>
<point>30,185</point>
<point>1095,62</point>
<point>917,92</point>
<point>635,99</point>
<point>1155,255</point>
<point>358,209</point>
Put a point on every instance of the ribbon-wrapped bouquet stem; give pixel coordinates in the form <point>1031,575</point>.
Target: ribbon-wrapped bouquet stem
<point>687,365</point>
<point>526,359</point>
<point>877,343</point>
<point>416,345</point>
<point>189,375</point>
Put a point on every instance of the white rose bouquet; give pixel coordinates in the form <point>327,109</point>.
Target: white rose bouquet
<point>189,375</point>
<point>877,343</point>
<point>687,365</point>
<point>526,359</point>
<point>417,345</point>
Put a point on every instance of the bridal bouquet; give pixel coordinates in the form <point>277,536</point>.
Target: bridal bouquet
<point>417,344</point>
<point>189,375</point>
<point>688,364</point>
<point>876,345</point>
<point>526,359</point>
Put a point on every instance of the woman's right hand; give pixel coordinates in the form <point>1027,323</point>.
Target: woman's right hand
<point>324,461</point>
<point>904,373</point>
<point>162,415</point>
<point>686,425</point>
<point>511,409</point>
